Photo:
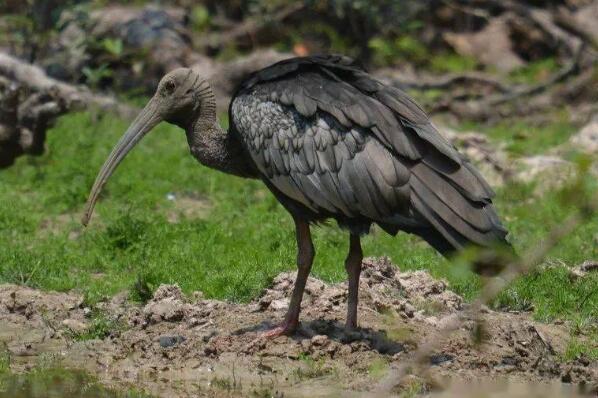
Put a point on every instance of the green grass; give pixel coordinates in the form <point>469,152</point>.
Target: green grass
<point>534,72</point>
<point>577,348</point>
<point>524,138</point>
<point>311,368</point>
<point>101,326</point>
<point>244,239</point>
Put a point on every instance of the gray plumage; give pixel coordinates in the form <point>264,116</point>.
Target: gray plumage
<point>332,142</point>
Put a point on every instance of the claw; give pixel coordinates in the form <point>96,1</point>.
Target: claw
<point>285,328</point>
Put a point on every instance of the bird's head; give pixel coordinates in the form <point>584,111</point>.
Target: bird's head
<point>177,100</point>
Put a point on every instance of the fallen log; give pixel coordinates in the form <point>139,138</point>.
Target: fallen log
<point>75,97</point>
<point>30,102</point>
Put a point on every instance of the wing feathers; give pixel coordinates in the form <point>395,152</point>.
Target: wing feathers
<point>358,148</point>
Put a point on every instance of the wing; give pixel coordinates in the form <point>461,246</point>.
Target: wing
<point>328,135</point>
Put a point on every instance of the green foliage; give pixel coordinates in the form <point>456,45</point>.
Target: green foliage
<point>452,63</point>
<point>94,76</point>
<point>101,327</point>
<point>549,290</point>
<point>144,287</point>
<point>404,48</point>
<point>4,360</point>
<point>126,231</point>
<point>523,138</point>
<point>378,368</point>
<point>412,388</point>
<point>200,18</point>
<point>113,46</point>
<point>535,71</point>
<point>577,348</point>
<point>311,368</point>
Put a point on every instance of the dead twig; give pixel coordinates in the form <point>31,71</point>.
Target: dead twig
<point>485,107</point>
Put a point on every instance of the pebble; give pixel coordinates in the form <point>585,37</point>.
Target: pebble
<point>170,341</point>
<point>319,340</point>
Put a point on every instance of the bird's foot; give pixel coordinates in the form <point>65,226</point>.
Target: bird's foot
<point>284,329</point>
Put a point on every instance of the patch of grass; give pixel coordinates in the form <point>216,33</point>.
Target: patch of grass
<point>101,326</point>
<point>378,368</point>
<point>388,51</point>
<point>534,72</point>
<point>411,388</point>
<point>243,242</point>
<point>524,138</point>
<point>311,368</point>
<point>396,331</point>
<point>4,359</point>
<point>577,348</point>
<point>547,291</point>
<point>226,383</point>
<point>144,287</point>
<point>452,63</point>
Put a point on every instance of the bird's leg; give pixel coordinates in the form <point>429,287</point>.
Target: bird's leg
<point>305,258</point>
<point>353,267</point>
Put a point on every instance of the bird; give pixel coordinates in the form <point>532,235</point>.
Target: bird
<point>331,143</point>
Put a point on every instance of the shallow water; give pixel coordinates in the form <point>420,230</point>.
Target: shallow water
<point>58,383</point>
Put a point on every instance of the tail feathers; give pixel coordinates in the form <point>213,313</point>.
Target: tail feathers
<point>453,220</point>
<point>488,262</point>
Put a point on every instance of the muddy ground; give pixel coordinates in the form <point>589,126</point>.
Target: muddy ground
<point>179,346</point>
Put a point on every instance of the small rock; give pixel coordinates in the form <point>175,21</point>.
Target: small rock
<point>168,291</point>
<point>170,341</point>
<point>437,359</point>
<point>319,340</point>
<point>408,309</point>
<point>522,351</point>
<point>583,269</point>
<point>280,304</point>
<point>75,325</point>
<point>566,378</point>
<point>305,345</point>
<point>345,350</point>
<point>552,171</point>
<point>586,140</point>
<point>510,361</point>
<point>166,310</point>
<point>198,296</point>
<point>499,55</point>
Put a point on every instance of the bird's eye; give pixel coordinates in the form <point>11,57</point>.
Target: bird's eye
<point>169,86</point>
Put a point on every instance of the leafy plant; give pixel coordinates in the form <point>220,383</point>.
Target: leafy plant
<point>200,18</point>
<point>95,75</point>
<point>113,46</point>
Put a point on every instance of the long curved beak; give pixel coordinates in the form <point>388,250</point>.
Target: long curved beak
<point>147,119</point>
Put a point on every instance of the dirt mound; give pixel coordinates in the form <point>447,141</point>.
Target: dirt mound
<point>179,346</point>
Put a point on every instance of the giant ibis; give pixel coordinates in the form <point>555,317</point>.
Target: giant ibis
<point>330,142</point>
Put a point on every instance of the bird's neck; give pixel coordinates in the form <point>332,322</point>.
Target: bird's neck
<point>211,145</point>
